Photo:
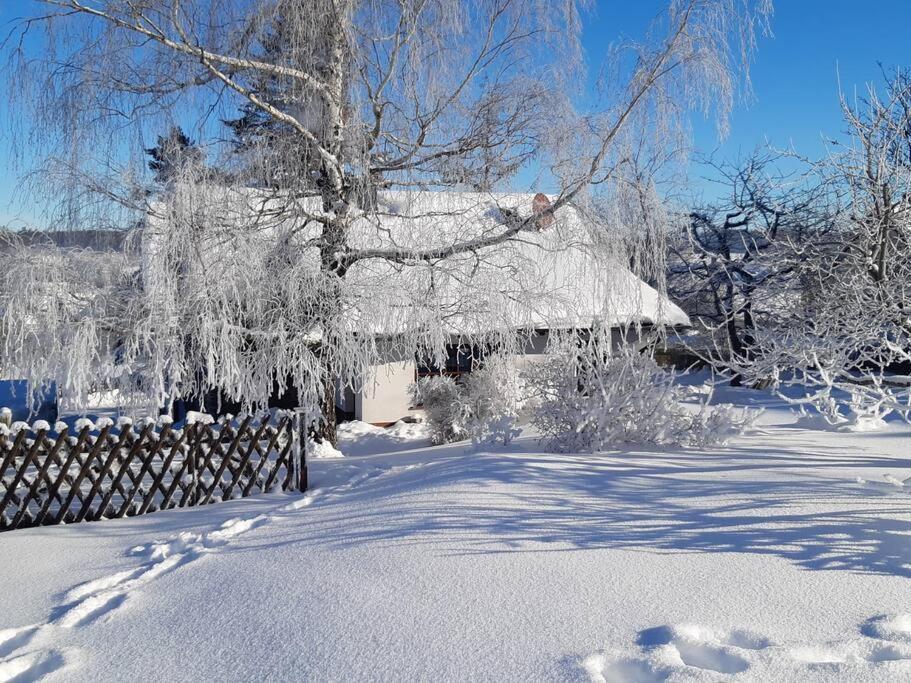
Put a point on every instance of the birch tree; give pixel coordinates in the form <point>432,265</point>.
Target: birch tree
<point>360,98</point>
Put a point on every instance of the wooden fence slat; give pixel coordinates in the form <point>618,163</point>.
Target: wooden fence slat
<point>115,485</point>
<point>190,435</point>
<point>147,463</point>
<point>83,473</point>
<point>17,479</point>
<point>133,479</point>
<point>74,450</point>
<point>64,474</point>
<point>86,508</point>
<point>287,455</point>
<point>115,482</point>
<point>276,468</point>
<point>190,491</point>
<point>259,468</point>
<point>11,455</point>
<point>39,477</point>
<point>158,484</point>
<point>241,465</point>
<point>115,469</point>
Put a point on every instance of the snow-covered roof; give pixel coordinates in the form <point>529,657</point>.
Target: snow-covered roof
<point>555,277</point>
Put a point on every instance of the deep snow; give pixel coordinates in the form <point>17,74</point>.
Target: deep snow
<point>784,556</point>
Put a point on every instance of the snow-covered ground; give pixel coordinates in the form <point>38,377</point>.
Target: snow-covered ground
<point>785,556</point>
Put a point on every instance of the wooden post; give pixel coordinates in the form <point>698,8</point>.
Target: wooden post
<point>301,447</point>
<point>192,469</point>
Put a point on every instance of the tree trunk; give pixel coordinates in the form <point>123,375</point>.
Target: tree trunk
<point>734,341</point>
<point>334,236</point>
<point>749,330</point>
<point>325,430</point>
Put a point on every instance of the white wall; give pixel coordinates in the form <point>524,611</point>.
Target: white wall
<point>385,396</point>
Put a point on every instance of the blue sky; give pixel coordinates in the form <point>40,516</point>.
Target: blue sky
<point>796,73</point>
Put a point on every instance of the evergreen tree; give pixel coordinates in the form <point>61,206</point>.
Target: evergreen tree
<point>257,137</point>
<point>173,153</point>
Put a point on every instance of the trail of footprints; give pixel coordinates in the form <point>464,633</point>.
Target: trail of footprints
<point>692,652</point>
<point>666,653</point>
<point>24,655</point>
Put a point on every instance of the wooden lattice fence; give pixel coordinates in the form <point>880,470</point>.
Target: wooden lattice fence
<point>51,478</point>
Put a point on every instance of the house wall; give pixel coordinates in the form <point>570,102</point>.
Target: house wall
<point>385,397</point>
<point>533,351</point>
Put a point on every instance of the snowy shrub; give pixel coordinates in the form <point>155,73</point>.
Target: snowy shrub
<point>589,400</point>
<point>483,409</point>
<point>491,398</point>
<point>443,406</point>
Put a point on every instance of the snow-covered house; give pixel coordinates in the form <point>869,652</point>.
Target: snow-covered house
<point>554,276</point>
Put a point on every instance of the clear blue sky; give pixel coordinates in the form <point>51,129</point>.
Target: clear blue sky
<point>795,76</point>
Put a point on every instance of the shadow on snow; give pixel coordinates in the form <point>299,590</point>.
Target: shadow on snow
<point>746,499</point>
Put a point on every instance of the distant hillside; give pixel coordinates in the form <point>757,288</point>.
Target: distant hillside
<point>96,240</point>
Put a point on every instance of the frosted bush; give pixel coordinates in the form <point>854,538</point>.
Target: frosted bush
<point>589,400</point>
<point>491,398</point>
<point>443,406</point>
<point>483,408</point>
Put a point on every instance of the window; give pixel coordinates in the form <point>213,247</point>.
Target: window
<point>461,359</point>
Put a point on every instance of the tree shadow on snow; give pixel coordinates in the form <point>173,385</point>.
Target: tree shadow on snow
<point>798,505</point>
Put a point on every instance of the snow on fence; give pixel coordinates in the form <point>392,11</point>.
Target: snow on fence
<point>105,472</point>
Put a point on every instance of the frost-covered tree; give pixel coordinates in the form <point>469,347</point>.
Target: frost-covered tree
<point>362,98</point>
<point>846,338</point>
<point>735,262</point>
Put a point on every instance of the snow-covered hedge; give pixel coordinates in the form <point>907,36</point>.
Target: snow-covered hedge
<point>483,409</point>
<point>444,409</point>
<point>588,400</point>
<point>491,402</point>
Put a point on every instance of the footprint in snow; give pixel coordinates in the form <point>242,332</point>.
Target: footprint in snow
<point>98,599</point>
<point>12,639</point>
<point>896,628</point>
<point>689,649</point>
<point>700,647</point>
<point>31,666</point>
<point>667,650</point>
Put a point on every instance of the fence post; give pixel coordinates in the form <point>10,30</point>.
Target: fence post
<point>193,441</point>
<point>301,447</point>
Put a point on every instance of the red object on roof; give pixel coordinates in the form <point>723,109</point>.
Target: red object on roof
<point>540,206</point>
